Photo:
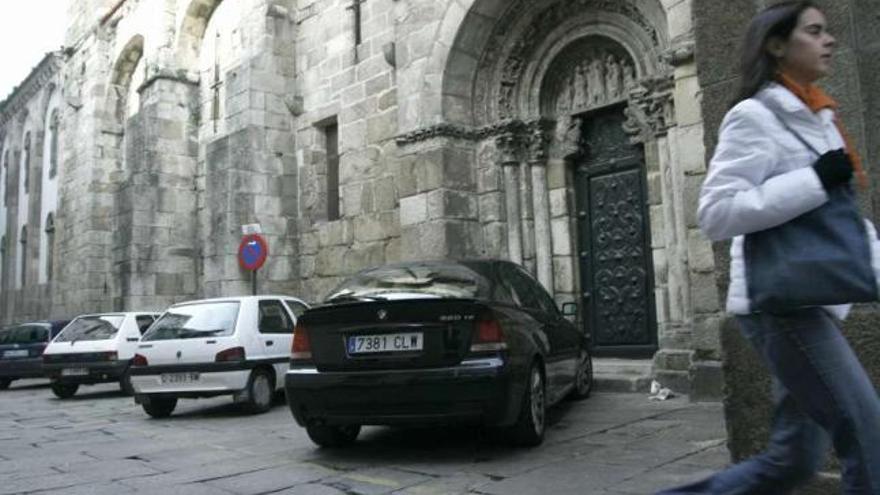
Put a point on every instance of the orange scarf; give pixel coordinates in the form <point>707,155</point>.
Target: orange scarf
<point>816,100</point>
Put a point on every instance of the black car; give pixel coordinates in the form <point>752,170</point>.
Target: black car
<point>435,341</point>
<point>21,349</point>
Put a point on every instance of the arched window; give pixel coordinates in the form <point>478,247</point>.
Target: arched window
<point>53,144</point>
<point>50,245</point>
<point>23,255</point>
<point>26,163</point>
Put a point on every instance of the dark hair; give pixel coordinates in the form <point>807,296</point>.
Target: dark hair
<point>757,65</point>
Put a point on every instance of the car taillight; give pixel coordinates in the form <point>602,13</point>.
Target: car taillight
<point>488,336</point>
<point>139,360</point>
<point>108,356</point>
<point>301,347</point>
<point>232,354</point>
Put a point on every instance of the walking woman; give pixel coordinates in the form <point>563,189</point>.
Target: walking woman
<point>782,152</point>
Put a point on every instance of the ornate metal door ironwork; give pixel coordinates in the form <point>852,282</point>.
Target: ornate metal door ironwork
<point>616,273</point>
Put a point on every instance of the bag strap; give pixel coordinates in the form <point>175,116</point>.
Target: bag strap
<point>789,128</point>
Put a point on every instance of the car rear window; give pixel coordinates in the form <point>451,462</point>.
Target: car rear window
<point>98,327</point>
<point>194,321</point>
<point>416,280</point>
<point>24,334</point>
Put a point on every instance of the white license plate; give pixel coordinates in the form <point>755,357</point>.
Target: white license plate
<point>386,342</point>
<point>189,377</point>
<point>16,353</point>
<point>74,372</point>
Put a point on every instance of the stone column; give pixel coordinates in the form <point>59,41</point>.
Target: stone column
<point>541,203</point>
<point>528,217</point>
<point>507,144</point>
<point>652,103</point>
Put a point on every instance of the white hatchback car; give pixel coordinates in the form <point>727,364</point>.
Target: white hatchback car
<point>93,349</point>
<point>237,346</point>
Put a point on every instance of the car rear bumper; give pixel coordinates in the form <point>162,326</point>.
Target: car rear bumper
<point>205,384</point>
<point>479,390</point>
<point>95,372</point>
<point>21,368</point>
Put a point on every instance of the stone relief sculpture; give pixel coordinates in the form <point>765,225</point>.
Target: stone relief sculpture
<point>629,77</point>
<point>612,78</point>
<point>579,99</point>
<point>601,77</point>
<point>595,81</point>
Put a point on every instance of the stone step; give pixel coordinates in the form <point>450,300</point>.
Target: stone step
<point>622,375</point>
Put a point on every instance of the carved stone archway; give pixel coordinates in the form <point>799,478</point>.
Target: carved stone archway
<point>509,95</point>
<point>539,76</point>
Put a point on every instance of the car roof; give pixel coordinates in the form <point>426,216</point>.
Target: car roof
<point>118,313</point>
<point>237,299</point>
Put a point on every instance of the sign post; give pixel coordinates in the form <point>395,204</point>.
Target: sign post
<point>252,253</point>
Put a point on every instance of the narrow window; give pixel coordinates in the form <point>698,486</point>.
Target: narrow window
<point>26,163</point>
<point>5,184</point>
<point>53,145</point>
<point>50,245</point>
<point>331,134</point>
<point>23,254</point>
<point>2,262</point>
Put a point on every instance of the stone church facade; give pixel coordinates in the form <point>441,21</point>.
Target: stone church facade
<point>570,136</point>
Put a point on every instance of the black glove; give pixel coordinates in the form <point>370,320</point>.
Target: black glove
<point>834,168</point>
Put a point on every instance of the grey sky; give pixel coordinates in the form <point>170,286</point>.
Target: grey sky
<point>28,30</point>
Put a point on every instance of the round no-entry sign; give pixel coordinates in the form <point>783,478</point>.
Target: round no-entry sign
<point>252,252</point>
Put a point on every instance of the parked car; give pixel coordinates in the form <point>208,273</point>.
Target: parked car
<point>228,346</point>
<point>95,348</point>
<point>21,349</point>
<point>435,341</point>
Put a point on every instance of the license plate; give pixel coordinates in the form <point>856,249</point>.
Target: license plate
<point>190,377</point>
<point>387,342</point>
<point>16,353</point>
<point>74,372</point>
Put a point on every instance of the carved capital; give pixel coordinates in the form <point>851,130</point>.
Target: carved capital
<point>539,138</point>
<point>508,145</point>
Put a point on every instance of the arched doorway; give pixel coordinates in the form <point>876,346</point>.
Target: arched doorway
<point>564,107</point>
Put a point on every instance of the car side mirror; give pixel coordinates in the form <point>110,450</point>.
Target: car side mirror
<point>569,309</point>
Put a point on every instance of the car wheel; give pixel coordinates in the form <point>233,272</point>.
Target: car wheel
<point>125,383</point>
<point>64,390</point>
<point>4,383</point>
<point>159,407</point>
<point>583,379</point>
<point>529,428</point>
<point>260,391</point>
<point>333,436</point>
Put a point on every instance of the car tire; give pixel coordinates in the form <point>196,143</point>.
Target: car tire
<point>261,392</point>
<point>125,383</point>
<point>333,436</point>
<point>64,390</point>
<point>528,431</point>
<point>583,379</point>
<point>159,407</point>
<point>4,383</point>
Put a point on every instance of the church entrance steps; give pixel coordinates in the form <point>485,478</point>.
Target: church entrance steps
<point>622,375</point>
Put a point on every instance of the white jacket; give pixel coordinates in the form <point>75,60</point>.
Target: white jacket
<point>761,176</point>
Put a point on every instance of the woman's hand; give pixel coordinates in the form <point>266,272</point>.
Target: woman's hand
<point>834,168</point>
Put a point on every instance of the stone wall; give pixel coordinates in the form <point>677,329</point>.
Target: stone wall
<point>353,87</point>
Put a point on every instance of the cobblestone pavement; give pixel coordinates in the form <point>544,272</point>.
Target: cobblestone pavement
<point>100,442</point>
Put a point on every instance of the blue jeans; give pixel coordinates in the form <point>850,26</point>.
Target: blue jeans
<point>820,390</point>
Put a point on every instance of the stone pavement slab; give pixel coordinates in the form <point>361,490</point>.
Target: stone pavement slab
<point>101,442</point>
